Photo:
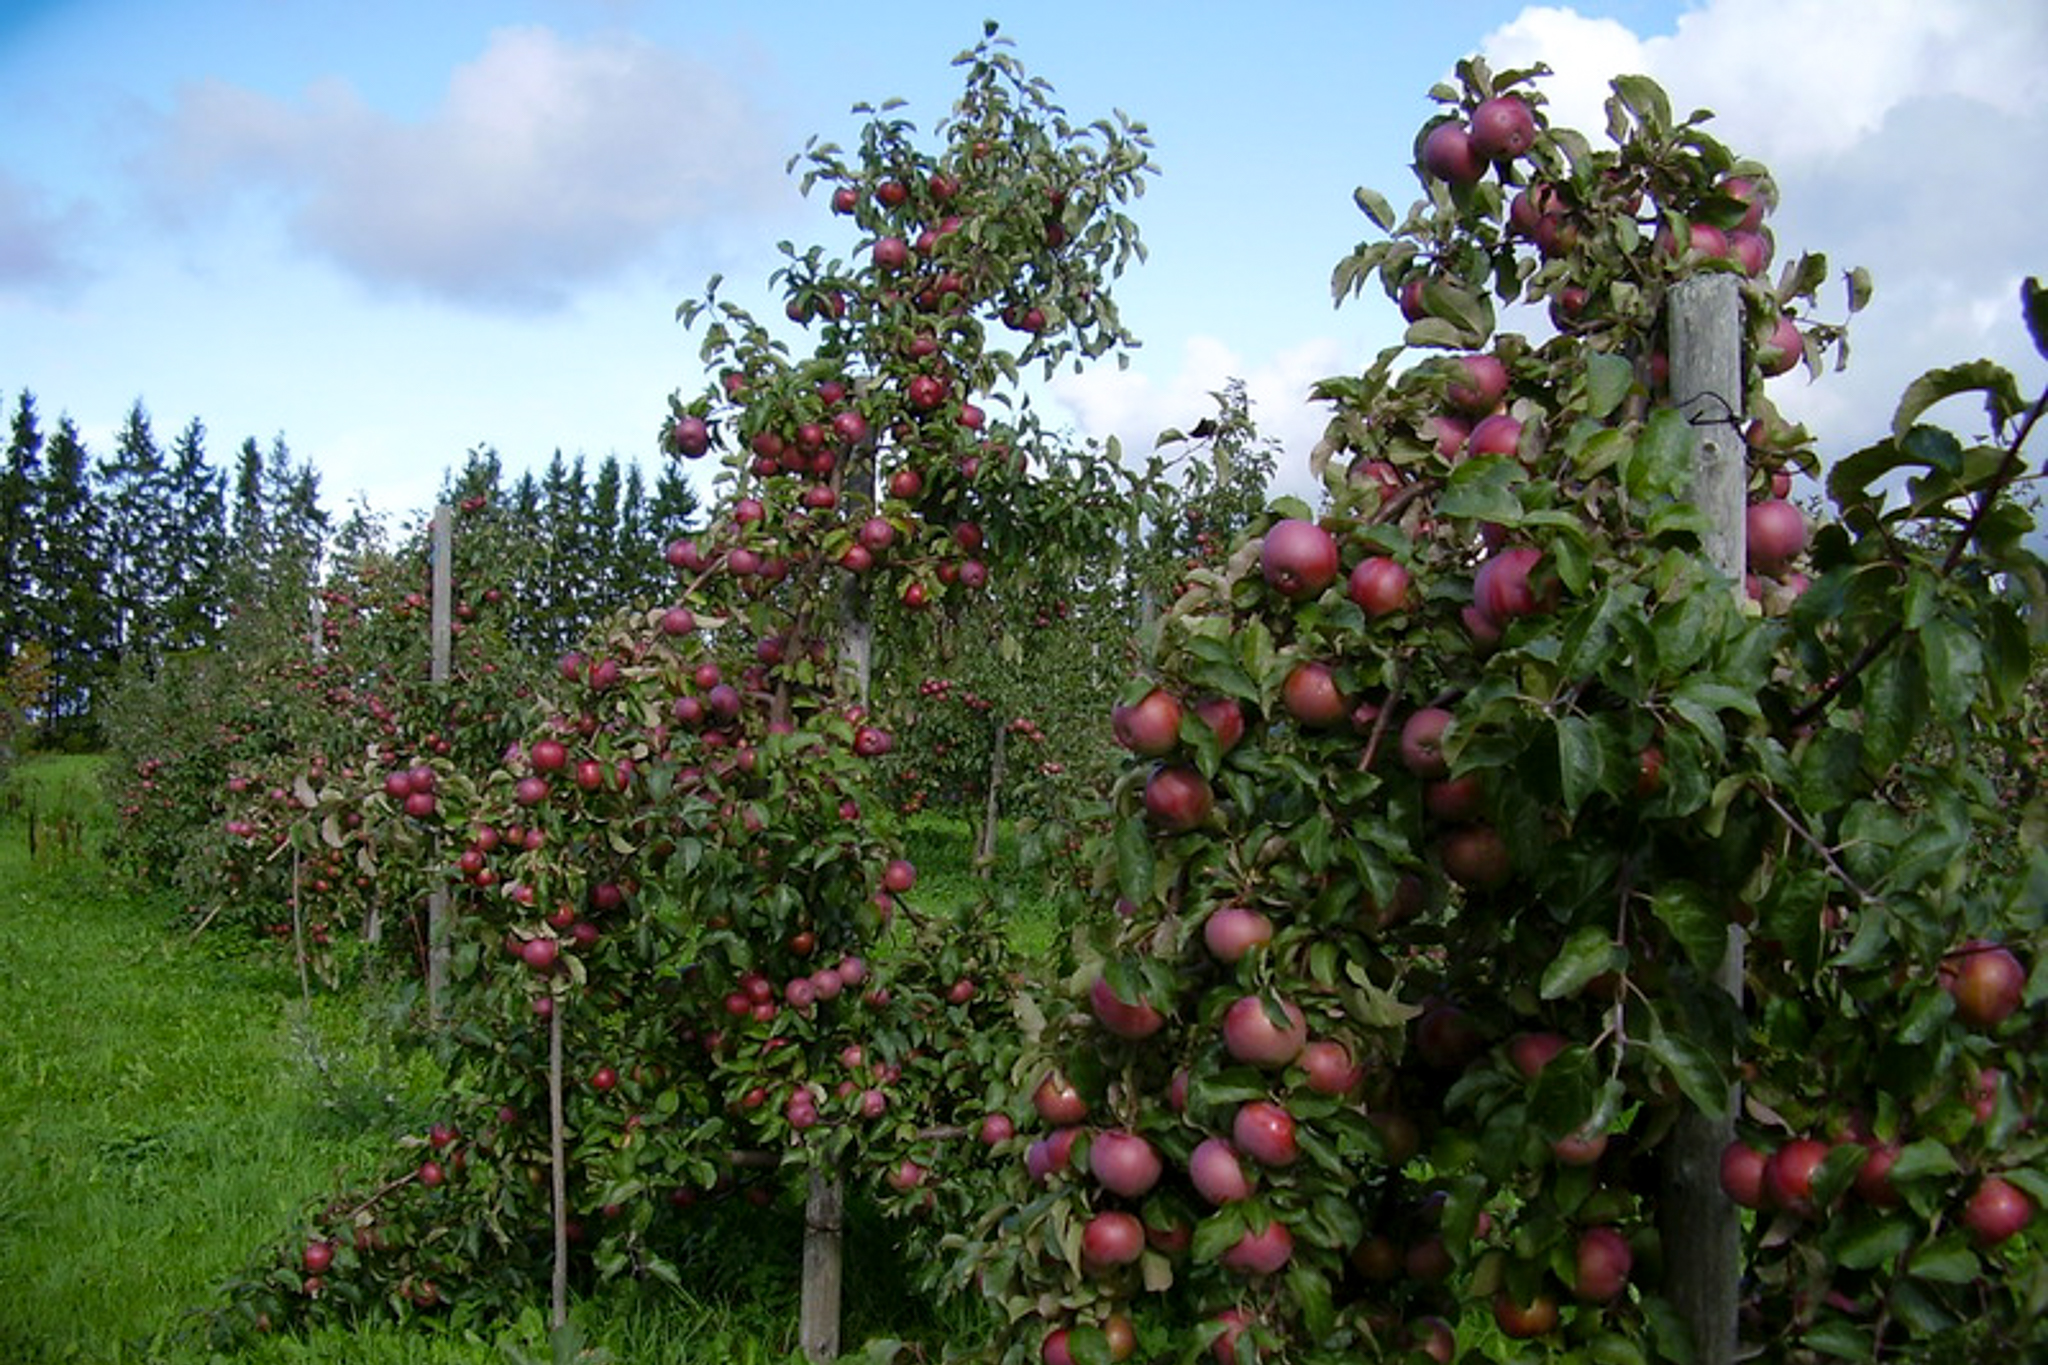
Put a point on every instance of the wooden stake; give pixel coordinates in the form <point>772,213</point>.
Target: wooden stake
<point>1701,1230</point>
<point>824,1217</point>
<point>443,540</point>
<point>558,1167</point>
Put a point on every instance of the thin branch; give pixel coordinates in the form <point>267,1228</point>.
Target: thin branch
<point>1827,854</point>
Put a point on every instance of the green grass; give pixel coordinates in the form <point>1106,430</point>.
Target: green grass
<point>169,1106</point>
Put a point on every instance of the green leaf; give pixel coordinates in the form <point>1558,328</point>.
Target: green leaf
<point>1875,1243</point>
<point>1947,1261</point>
<point>1954,661</point>
<point>1374,206</point>
<point>1922,1160</point>
<point>1483,489</point>
<point>1608,380</point>
<point>1694,921</point>
<point>1310,1289</point>
<point>1578,761</point>
<point>1660,464</point>
<point>1133,860</point>
<point>1839,1337</point>
<point>1585,955</point>
<point>1611,1348</point>
<point>1218,1233</point>
<point>1695,1071</point>
<point>2034,305</point>
<point>1995,382</point>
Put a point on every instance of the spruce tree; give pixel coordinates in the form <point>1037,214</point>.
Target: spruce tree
<point>74,613</point>
<point>196,541</point>
<point>18,523</point>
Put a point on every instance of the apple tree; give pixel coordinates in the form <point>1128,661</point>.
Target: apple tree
<point>1454,806</point>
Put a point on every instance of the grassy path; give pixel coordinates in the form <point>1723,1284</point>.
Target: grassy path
<point>159,1114</point>
<point>163,1121</point>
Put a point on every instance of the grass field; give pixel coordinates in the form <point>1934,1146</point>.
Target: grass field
<point>168,1106</point>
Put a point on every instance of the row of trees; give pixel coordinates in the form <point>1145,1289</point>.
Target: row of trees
<point>119,561</point>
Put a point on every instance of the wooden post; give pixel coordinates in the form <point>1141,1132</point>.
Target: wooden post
<point>992,809</point>
<point>443,542</point>
<point>824,1217</point>
<point>558,1172</point>
<point>1701,1229</point>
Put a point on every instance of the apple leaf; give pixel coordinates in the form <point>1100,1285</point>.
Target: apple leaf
<point>1374,206</point>
<point>1947,1261</point>
<point>1926,1159</point>
<point>1694,1069</point>
<point>1995,382</point>
<point>2034,305</point>
<point>1585,955</point>
<point>1608,380</point>
<point>1874,1243</point>
<point>1694,921</point>
<point>1578,761</point>
<point>1218,1233</point>
<point>1133,860</point>
<point>1839,1338</point>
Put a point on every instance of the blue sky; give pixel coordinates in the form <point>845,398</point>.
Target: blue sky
<point>393,231</point>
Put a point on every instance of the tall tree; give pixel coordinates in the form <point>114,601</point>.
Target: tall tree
<point>196,537</point>
<point>135,497</point>
<point>75,615</point>
<point>675,507</point>
<point>18,538</point>
<point>601,533</point>
<point>248,525</point>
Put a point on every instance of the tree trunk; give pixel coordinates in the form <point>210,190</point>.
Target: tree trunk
<point>985,849</point>
<point>1701,1231</point>
<point>824,1216</point>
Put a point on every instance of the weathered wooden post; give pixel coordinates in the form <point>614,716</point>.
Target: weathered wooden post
<point>442,540</point>
<point>1701,1230</point>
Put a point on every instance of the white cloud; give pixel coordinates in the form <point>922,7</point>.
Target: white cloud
<point>35,239</point>
<point>1901,134</point>
<point>548,163</point>
<point>1135,405</point>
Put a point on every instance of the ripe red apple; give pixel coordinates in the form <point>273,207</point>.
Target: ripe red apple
<point>1125,1020</point>
<point>1261,1253</point>
<point>1379,585</point>
<point>1742,1174</point>
<point>1330,1068</point>
<point>1874,1176</point>
<point>1502,589</point>
<point>1455,799</point>
<point>1476,856</point>
<point>1603,1261</point>
<point>1264,1131</point>
<point>1433,1337</point>
<point>1447,154</point>
<point>997,1129</point>
<point>1232,931</point>
<point>1776,532</point>
<point>1496,434</point>
<point>1447,1037</point>
<point>1311,695</point>
<point>1050,1155</point>
<point>1123,1163</point>
<point>1224,716</point>
<point>1783,349</point>
<point>890,253</point>
<point>549,756</point>
<point>1251,1035</point>
<point>1178,798</point>
<point>1422,743</point>
<point>317,1257</point>
<point>1997,1209</point>
<point>1531,1052</point>
<point>1502,127</point>
<point>1058,1102</point>
<point>1986,981</point>
<point>1522,1321</point>
<point>540,953</point>
<point>1582,1148</point>
<point>1298,558</point>
<point>1478,382</point>
<point>1112,1239</point>
<point>1218,1176</point>
<point>1150,727</point>
<point>1788,1174</point>
<point>1232,1322</point>
<point>689,436</point>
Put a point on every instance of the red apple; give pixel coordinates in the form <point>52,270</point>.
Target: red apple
<point>1776,532</point>
<point>1531,1052</point>
<point>1522,1321</point>
<point>1218,1176</point>
<point>1112,1239</point>
<point>1225,717</point>
<point>1251,1035</point>
<point>1987,982</point>
<point>1788,1174</point>
<point>1422,743</point>
<point>1232,931</point>
<point>1783,349</point>
<point>1603,1262</point>
<point>1447,154</point>
<point>1502,127</point>
<point>1311,696</point>
<point>1261,1253</point>
<point>1742,1174</point>
<point>1178,798</point>
<point>1502,589</point>
<point>1997,1209</point>
<point>1123,1018</point>
<point>1379,585</point>
<point>1478,382</point>
<point>1123,1163</point>
<point>1476,856</point>
<point>1298,558</point>
<point>1264,1131</point>
<point>1151,726</point>
<point>1058,1102</point>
